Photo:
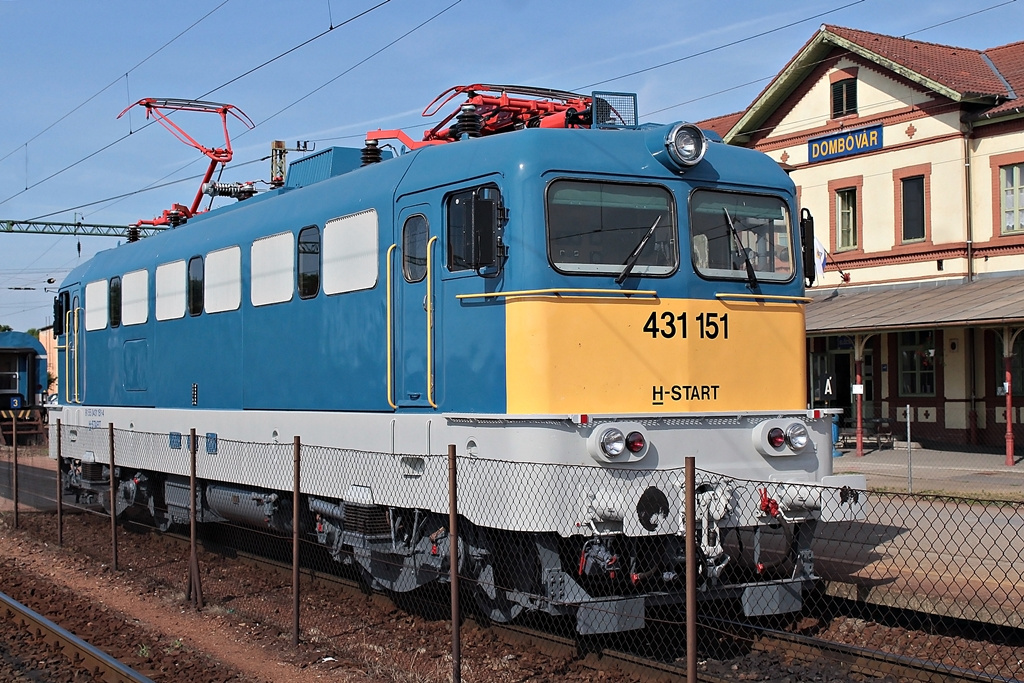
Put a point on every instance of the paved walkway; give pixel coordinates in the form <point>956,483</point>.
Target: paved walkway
<point>931,471</point>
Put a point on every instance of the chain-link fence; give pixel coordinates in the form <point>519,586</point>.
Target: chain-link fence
<point>594,551</point>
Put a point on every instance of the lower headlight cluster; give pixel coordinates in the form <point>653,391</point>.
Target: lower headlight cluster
<point>618,443</point>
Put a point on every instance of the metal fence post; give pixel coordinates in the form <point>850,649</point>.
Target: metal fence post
<point>60,492</point>
<point>113,499</point>
<point>910,461</point>
<point>194,592</point>
<point>453,537</point>
<point>14,465</point>
<point>691,569</point>
<point>296,451</point>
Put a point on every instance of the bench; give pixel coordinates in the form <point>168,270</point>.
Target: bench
<point>875,429</point>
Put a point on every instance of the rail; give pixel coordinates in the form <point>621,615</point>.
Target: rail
<point>103,666</point>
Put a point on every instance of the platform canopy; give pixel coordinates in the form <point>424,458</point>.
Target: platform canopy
<point>985,302</point>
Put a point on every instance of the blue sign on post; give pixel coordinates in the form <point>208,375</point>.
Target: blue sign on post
<point>846,143</point>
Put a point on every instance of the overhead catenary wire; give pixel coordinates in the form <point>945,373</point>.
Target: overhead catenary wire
<point>124,137</point>
<point>116,80</point>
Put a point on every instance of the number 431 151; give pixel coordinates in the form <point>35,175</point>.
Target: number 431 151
<point>667,325</point>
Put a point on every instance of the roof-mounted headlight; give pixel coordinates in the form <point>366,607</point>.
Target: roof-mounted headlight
<point>686,144</point>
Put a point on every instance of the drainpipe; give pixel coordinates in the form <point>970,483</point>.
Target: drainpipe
<point>972,383</point>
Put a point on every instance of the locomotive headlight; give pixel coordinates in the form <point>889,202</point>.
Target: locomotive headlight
<point>686,144</point>
<point>617,443</point>
<point>613,442</point>
<point>796,436</point>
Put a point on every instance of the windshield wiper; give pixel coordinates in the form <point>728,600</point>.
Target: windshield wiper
<point>634,256</point>
<point>751,278</point>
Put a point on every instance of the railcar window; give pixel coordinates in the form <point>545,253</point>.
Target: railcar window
<point>96,305</point>
<point>729,228</point>
<point>195,285</point>
<point>170,290</point>
<point>114,302</point>
<point>273,269</point>
<point>351,253</point>
<point>593,227</point>
<point>309,262</point>
<point>414,248</point>
<point>222,282</point>
<point>135,297</point>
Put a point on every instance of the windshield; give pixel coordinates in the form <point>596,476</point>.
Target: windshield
<point>595,227</point>
<point>759,235</point>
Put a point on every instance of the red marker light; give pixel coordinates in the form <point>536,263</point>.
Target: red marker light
<point>776,437</point>
<point>635,442</point>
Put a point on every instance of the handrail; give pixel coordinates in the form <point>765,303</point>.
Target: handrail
<point>390,313</point>
<point>430,329</point>
<point>769,297</point>
<point>67,356</point>
<point>558,291</point>
<point>78,354</point>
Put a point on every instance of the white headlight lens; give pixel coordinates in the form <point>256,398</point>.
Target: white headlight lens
<point>686,144</point>
<point>613,442</point>
<point>797,436</point>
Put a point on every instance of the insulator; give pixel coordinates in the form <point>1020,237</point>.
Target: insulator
<point>133,233</point>
<point>371,152</point>
<point>236,190</point>
<point>469,122</point>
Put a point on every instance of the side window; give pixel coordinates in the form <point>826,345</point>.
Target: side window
<point>474,223</point>
<point>114,301</point>
<point>195,285</point>
<point>135,298</point>
<point>96,305</point>
<point>309,262</point>
<point>414,248</point>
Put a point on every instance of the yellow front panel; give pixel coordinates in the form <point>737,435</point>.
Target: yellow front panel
<point>603,355</point>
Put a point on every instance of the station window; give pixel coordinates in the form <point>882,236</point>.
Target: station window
<point>1011,184</point>
<point>846,219</point>
<point>913,208</point>
<point>1016,368</point>
<point>844,97</point>
<point>309,262</point>
<point>195,285</point>
<point>414,248</point>
<point>114,302</point>
<point>917,363</point>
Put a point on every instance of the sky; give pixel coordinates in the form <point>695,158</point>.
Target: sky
<point>327,71</point>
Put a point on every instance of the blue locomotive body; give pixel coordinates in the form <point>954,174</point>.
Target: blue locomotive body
<point>568,296</point>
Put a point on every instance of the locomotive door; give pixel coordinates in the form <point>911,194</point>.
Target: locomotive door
<point>412,280</point>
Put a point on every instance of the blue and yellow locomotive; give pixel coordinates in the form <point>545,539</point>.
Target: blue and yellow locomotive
<point>543,282</point>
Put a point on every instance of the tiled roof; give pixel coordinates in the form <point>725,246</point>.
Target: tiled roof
<point>994,77</point>
<point>720,124</point>
<point>1009,60</point>
<point>961,69</point>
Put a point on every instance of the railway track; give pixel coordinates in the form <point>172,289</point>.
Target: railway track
<point>80,654</point>
<point>871,661</point>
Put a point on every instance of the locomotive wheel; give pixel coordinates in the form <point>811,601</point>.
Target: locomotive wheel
<point>511,566</point>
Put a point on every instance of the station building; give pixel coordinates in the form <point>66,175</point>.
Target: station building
<point>910,157</point>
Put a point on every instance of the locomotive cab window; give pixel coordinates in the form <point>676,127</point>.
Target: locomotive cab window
<point>309,262</point>
<point>734,234</point>
<point>595,227</point>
